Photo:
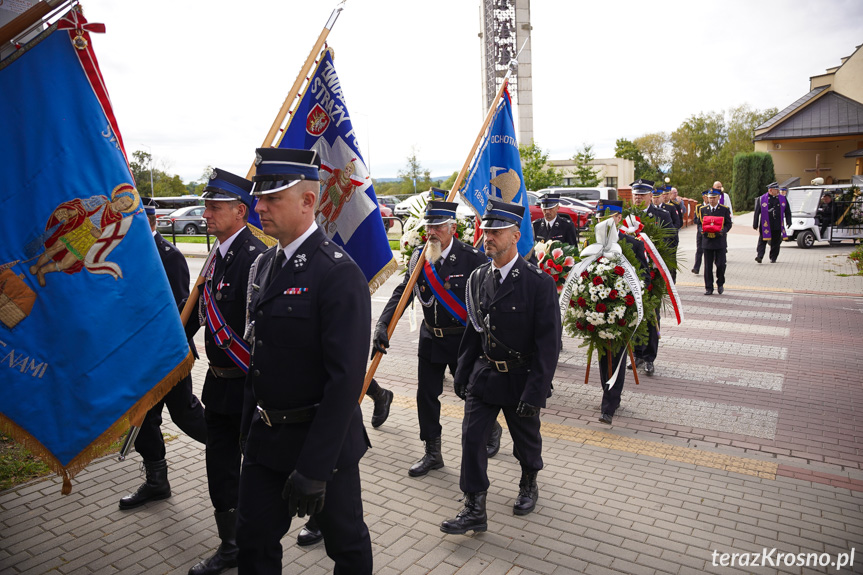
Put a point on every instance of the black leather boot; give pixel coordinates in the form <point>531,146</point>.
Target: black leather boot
<point>493,445</point>
<point>471,518</point>
<point>310,533</point>
<point>225,556</point>
<point>528,493</point>
<point>431,460</point>
<point>154,488</point>
<point>383,398</point>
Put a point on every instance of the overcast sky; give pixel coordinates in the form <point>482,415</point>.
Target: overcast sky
<point>199,83</point>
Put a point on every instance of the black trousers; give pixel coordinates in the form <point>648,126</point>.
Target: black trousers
<point>775,243</point>
<point>479,418</point>
<point>429,388</point>
<point>223,458</point>
<point>263,520</point>
<point>611,396</point>
<point>699,251</point>
<point>648,351</point>
<point>712,257</point>
<point>186,411</point>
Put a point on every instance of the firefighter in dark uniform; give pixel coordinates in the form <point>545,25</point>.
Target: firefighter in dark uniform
<point>309,313</point>
<point>699,247</point>
<point>767,219</point>
<point>678,204</point>
<point>674,210</point>
<point>440,288</point>
<point>611,395</point>
<point>715,243</point>
<point>228,200</point>
<point>646,198</point>
<point>552,226</point>
<point>506,362</point>
<point>185,409</point>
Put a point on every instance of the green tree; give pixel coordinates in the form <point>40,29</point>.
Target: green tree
<point>695,153</point>
<point>627,150</point>
<point>742,122</point>
<point>415,178</point>
<point>752,173</point>
<point>141,164</point>
<point>533,167</point>
<point>448,183</point>
<point>657,153</point>
<point>585,175</point>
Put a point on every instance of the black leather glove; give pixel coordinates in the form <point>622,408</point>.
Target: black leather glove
<point>526,410</point>
<point>380,341</point>
<point>304,496</point>
<point>460,390</point>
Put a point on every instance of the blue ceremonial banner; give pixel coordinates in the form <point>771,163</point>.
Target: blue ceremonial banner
<point>348,208</point>
<point>90,335</point>
<point>496,172</point>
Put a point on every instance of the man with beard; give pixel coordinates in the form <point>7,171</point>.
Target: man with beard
<point>440,289</point>
<point>506,362</point>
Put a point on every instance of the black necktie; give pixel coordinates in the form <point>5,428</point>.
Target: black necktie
<point>277,265</point>
<point>498,278</point>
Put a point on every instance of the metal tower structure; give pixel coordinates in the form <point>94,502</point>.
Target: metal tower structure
<point>505,27</point>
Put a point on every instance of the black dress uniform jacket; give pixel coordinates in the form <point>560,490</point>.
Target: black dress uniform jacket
<point>176,267</point>
<point>230,279</point>
<point>674,212</point>
<point>454,269</point>
<point>310,340</point>
<point>562,230</point>
<point>523,314</point>
<point>718,241</point>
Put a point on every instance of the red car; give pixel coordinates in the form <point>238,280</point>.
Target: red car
<point>385,214</point>
<point>579,215</point>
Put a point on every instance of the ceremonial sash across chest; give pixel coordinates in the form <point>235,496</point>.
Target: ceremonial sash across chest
<point>765,216</point>
<point>225,337</point>
<point>447,298</point>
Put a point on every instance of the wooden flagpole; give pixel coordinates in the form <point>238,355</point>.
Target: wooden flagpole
<point>268,141</point>
<point>376,358</point>
<point>29,18</point>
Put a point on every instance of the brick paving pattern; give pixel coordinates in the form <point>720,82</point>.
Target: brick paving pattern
<point>748,437</point>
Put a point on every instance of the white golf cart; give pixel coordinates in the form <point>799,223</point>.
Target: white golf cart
<point>815,219</point>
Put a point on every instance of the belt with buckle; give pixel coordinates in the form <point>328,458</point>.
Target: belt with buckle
<point>227,372</point>
<point>444,331</point>
<point>504,366</point>
<point>297,415</point>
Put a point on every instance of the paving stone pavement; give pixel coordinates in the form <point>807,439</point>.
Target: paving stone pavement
<point>747,438</point>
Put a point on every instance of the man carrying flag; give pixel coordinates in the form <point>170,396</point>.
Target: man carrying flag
<point>441,291</point>
<point>222,312</point>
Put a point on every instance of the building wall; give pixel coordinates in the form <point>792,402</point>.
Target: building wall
<point>848,79</point>
<point>792,157</point>
<point>615,172</point>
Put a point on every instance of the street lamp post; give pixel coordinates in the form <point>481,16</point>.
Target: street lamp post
<point>150,152</point>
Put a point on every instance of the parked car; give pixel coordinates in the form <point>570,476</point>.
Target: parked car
<point>573,209</point>
<point>386,214</point>
<point>189,220</point>
<point>388,201</point>
<point>405,208</point>
<point>589,195</point>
